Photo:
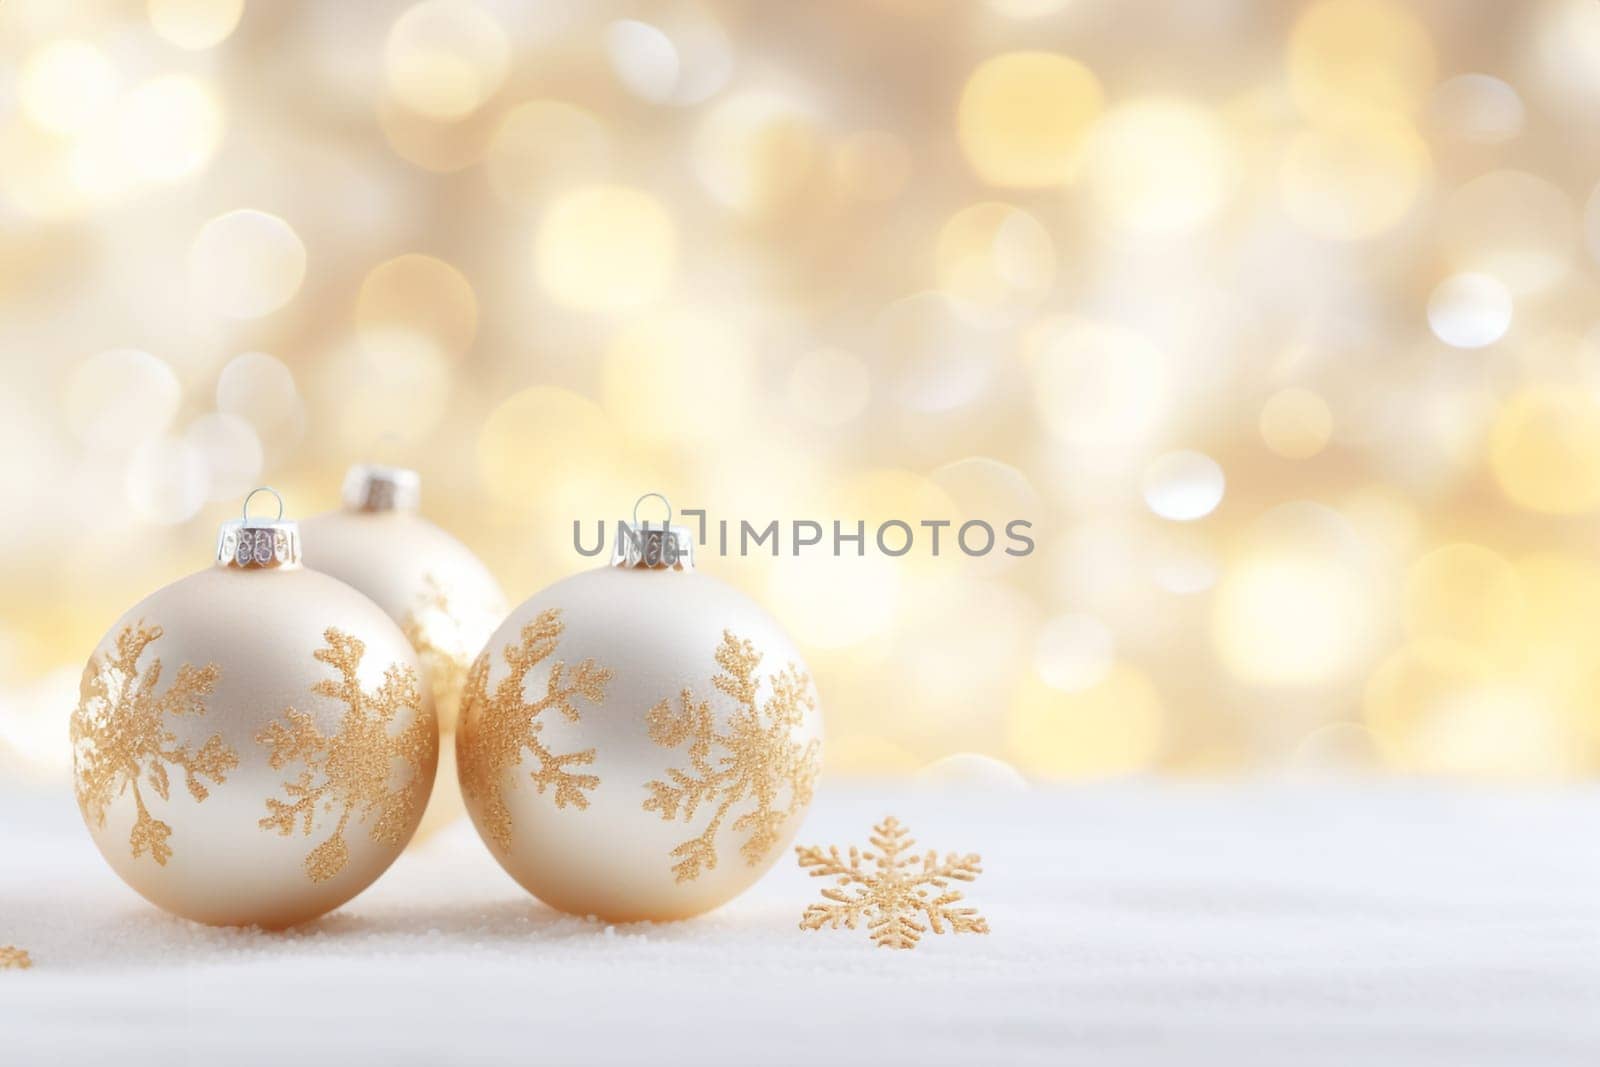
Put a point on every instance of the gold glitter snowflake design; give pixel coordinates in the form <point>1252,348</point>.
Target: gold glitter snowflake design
<point>893,893</point>
<point>120,738</point>
<point>757,760</point>
<point>436,633</point>
<point>350,771</point>
<point>496,727</point>
<point>14,958</point>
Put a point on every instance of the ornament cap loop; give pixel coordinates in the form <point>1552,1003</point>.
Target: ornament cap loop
<point>259,544</point>
<point>653,546</point>
<point>375,487</point>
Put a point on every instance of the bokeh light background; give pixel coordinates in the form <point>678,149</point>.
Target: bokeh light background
<point>1280,321</point>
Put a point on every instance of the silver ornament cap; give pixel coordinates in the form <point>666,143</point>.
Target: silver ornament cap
<point>653,546</point>
<point>256,543</point>
<point>375,487</point>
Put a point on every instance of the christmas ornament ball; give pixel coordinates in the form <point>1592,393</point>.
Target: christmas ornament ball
<point>639,741</point>
<point>428,582</point>
<point>252,743</point>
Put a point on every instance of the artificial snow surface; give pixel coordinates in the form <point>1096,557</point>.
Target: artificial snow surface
<point>1132,924</point>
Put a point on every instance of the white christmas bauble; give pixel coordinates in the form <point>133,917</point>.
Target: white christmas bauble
<point>253,744</point>
<point>638,742</point>
<point>428,582</point>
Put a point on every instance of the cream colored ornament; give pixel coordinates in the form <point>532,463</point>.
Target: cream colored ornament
<point>442,596</point>
<point>639,741</point>
<point>253,744</point>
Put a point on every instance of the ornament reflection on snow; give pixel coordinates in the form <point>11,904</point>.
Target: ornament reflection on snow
<point>252,743</point>
<point>428,582</point>
<point>639,741</point>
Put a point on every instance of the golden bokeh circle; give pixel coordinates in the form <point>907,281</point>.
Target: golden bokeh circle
<point>1117,726</point>
<point>194,24</point>
<point>1354,179</point>
<point>65,86</point>
<point>645,389</point>
<point>246,263</point>
<point>542,145</point>
<point>1157,164</point>
<point>755,150</point>
<point>1468,595</point>
<point>1544,450</point>
<point>606,248</point>
<point>1296,423</point>
<point>1359,55</point>
<point>445,58</point>
<point>1517,228</point>
<point>419,293</point>
<point>1024,115</point>
<point>991,256</point>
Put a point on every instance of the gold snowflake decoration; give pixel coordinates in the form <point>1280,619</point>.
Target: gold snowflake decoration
<point>438,635</point>
<point>496,727</point>
<point>349,772</point>
<point>893,893</point>
<point>120,738</point>
<point>757,760</point>
<point>14,958</point>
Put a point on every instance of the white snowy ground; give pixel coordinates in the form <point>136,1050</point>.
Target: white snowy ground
<point>1132,924</point>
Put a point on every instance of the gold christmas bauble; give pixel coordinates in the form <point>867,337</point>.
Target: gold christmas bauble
<point>428,582</point>
<point>639,741</point>
<point>253,743</point>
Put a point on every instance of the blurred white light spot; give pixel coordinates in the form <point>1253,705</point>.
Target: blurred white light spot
<point>121,398</point>
<point>644,59</point>
<point>1096,383</point>
<point>1300,605</point>
<point>446,58</point>
<point>1157,164</point>
<point>166,480</point>
<point>231,451</point>
<point>259,388</point>
<point>972,771</point>
<point>835,603</point>
<point>829,387</point>
<point>31,719</point>
<point>935,360</point>
<point>606,248</point>
<point>195,24</point>
<point>388,386</point>
<point>1478,108</point>
<point>1183,566</point>
<point>246,263</point>
<point>66,85</point>
<point>1296,423</point>
<point>755,150</point>
<point>1566,40</point>
<point>1469,310</point>
<point>1028,9</point>
<point>541,145</point>
<point>169,127</point>
<point>1518,228</point>
<point>992,256</point>
<point>1183,486</point>
<point>1074,652</point>
<point>644,388</point>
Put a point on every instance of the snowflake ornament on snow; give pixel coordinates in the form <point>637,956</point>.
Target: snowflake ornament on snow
<point>893,893</point>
